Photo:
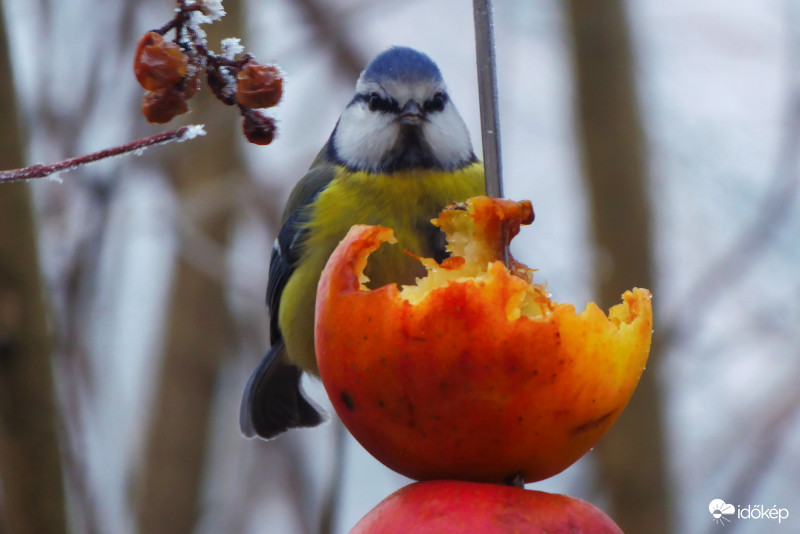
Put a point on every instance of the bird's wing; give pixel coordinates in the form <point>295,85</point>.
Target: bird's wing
<point>288,247</point>
<point>273,400</point>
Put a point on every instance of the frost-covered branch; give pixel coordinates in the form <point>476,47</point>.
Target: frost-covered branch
<point>170,71</point>
<point>42,171</point>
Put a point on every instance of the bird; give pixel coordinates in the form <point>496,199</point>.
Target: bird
<point>398,154</point>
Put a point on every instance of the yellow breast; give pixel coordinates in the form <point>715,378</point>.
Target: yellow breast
<point>403,201</point>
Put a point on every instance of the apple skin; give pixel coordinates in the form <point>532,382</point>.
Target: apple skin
<point>453,507</point>
<point>451,387</point>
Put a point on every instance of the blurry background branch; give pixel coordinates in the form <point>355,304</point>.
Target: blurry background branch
<point>334,35</point>
<point>199,335</point>
<point>631,457</point>
<point>31,479</point>
<point>767,438</point>
<point>775,208</point>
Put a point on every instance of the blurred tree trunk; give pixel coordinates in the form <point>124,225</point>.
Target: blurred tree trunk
<point>31,480</point>
<point>632,456</point>
<point>199,329</point>
<point>322,16</point>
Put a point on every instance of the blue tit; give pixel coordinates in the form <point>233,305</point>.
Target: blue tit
<point>398,154</point>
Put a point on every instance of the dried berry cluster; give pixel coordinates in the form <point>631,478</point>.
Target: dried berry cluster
<point>170,72</point>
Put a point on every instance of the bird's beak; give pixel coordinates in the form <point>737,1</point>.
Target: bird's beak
<point>411,114</point>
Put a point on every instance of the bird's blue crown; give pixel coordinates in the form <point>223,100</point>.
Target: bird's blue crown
<point>402,63</point>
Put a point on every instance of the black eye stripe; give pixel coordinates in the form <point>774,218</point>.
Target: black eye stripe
<point>382,104</point>
<point>378,103</point>
<point>436,103</point>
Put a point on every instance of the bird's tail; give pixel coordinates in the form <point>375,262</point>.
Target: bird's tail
<point>273,400</point>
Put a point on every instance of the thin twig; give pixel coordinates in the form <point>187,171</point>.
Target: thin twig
<point>43,171</point>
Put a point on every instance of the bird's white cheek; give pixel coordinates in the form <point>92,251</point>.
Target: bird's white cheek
<point>448,137</point>
<point>362,138</point>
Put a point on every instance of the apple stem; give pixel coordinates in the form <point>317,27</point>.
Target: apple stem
<point>517,480</point>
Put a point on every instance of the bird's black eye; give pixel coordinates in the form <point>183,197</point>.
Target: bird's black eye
<point>436,103</point>
<point>377,103</point>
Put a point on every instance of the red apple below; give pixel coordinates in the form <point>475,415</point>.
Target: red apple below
<point>451,507</point>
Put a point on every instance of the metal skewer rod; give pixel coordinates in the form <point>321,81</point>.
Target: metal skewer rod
<point>487,96</point>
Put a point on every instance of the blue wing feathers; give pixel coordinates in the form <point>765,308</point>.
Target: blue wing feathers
<point>273,400</point>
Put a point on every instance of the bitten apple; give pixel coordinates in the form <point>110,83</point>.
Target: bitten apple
<point>473,373</point>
